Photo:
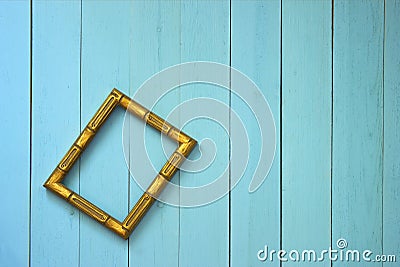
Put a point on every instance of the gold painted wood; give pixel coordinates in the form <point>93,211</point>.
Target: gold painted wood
<point>125,228</point>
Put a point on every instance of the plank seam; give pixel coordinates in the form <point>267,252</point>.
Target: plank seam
<point>129,141</point>
<point>180,101</point>
<point>30,129</point>
<point>80,127</point>
<point>383,126</point>
<point>230,132</point>
<point>332,122</point>
<point>280,132</point>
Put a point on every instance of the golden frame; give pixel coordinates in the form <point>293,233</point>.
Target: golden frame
<point>125,228</point>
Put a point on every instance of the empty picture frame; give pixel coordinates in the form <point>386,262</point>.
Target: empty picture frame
<point>125,228</point>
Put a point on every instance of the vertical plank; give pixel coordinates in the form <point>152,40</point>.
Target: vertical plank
<point>15,121</point>
<point>391,164</point>
<point>55,125</point>
<point>357,125</point>
<point>306,126</point>
<point>103,172</point>
<point>154,46</point>
<point>255,218</point>
<point>204,231</point>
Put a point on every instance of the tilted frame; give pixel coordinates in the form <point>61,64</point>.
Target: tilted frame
<point>125,228</point>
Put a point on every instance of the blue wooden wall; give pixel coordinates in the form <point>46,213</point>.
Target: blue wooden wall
<point>329,69</point>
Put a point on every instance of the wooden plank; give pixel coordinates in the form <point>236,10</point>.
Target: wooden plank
<point>391,163</point>
<point>154,46</point>
<point>358,126</point>
<point>255,217</point>
<point>15,121</point>
<point>55,125</point>
<point>306,126</point>
<point>204,231</point>
<point>104,176</point>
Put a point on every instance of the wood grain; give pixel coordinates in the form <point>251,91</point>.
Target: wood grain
<point>55,125</point>
<point>306,126</point>
<point>104,175</point>
<point>83,49</point>
<point>391,148</point>
<point>358,125</point>
<point>15,123</point>
<point>255,217</point>
<point>154,43</point>
<point>205,36</point>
